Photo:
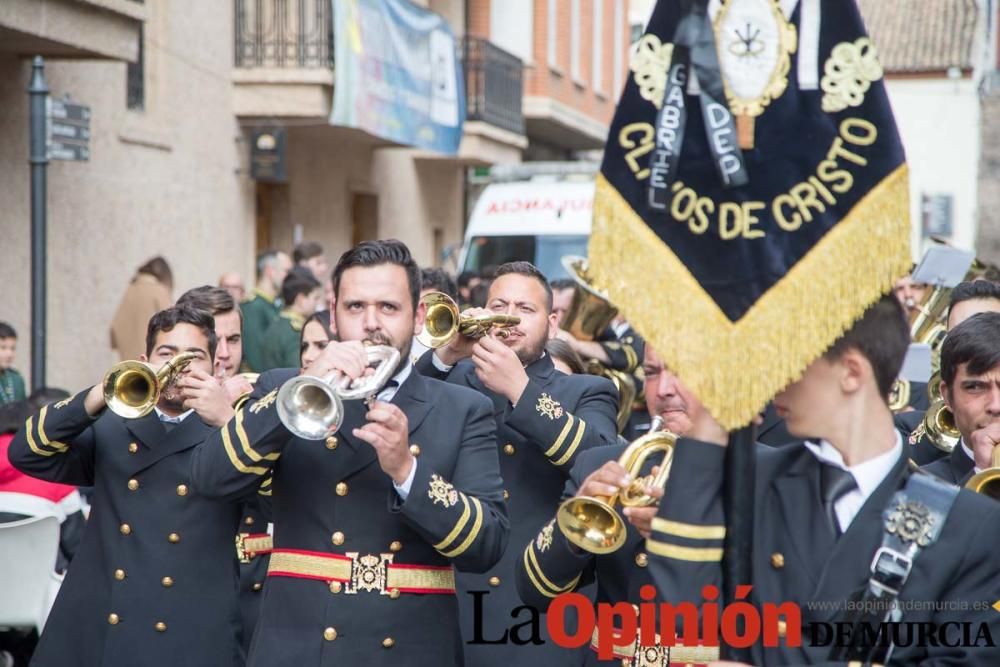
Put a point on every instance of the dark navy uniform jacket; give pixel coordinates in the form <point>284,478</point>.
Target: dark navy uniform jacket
<point>550,562</point>
<point>155,579</point>
<point>796,559</point>
<point>330,501</point>
<point>557,419</point>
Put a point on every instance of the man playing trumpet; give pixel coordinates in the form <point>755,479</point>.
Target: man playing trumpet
<point>545,420</point>
<point>970,386</point>
<point>552,559</point>
<point>370,522</point>
<point>154,580</point>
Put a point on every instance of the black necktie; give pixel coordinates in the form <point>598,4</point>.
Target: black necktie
<point>834,483</point>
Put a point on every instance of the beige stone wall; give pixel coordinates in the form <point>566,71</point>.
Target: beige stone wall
<point>168,181</point>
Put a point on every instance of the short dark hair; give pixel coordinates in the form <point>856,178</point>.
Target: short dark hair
<point>7,331</point>
<point>528,269</point>
<point>438,280</point>
<point>306,250</point>
<point>975,342</point>
<point>882,335</point>
<point>973,289</point>
<point>166,320</point>
<point>465,277</point>
<point>298,281</point>
<point>560,349</point>
<point>374,253</point>
<point>13,415</point>
<point>44,396</point>
<point>213,300</point>
<point>159,269</point>
<point>263,259</point>
<point>563,283</point>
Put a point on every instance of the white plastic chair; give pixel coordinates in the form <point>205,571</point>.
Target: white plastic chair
<point>29,550</point>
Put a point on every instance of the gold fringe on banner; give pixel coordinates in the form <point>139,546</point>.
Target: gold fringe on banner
<point>736,368</point>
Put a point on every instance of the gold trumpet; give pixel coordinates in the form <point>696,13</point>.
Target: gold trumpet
<point>592,522</point>
<point>987,482</point>
<point>132,389</point>
<point>939,424</point>
<point>443,322</point>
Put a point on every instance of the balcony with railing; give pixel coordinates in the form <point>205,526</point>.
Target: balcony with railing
<point>284,60</point>
<point>493,85</point>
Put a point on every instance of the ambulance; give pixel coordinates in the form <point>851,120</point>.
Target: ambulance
<point>537,212</point>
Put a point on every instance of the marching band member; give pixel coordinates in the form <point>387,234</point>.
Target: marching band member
<point>154,580</point>
<point>840,519</point>
<point>545,421</point>
<point>550,561</point>
<point>970,386</point>
<point>370,524</point>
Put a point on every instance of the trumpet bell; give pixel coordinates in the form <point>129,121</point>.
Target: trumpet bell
<point>309,408</point>
<point>591,524</point>
<point>313,408</point>
<point>441,321</point>
<point>131,389</point>
<point>939,424</point>
<point>986,482</point>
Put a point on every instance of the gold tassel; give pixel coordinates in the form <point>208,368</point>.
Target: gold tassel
<point>736,368</point>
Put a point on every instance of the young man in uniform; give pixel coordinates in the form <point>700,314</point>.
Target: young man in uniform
<point>545,420</point>
<point>841,521</point>
<point>154,580</point>
<point>368,524</point>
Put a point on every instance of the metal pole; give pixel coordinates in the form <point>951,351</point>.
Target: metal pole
<point>739,505</point>
<point>38,93</point>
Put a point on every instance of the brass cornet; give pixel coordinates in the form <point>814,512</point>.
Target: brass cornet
<point>443,322</point>
<point>987,482</point>
<point>592,522</point>
<point>939,424</point>
<point>313,408</point>
<point>132,389</point>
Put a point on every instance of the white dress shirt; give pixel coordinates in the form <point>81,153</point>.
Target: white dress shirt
<point>386,395</point>
<point>164,417</point>
<point>868,475</point>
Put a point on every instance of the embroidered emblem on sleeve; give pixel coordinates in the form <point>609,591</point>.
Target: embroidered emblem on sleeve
<point>549,407</point>
<point>63,403</point>
<point>917,434</point>
<point>442,492</point>
<point>265,402</point>
<point>544,539</point>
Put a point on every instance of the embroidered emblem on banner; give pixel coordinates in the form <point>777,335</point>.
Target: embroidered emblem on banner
<point>265,402</point>
<point>549,407</point>
<point>442,492</point>
<point>848,74</point>
<point>911,522</point>
<point>649,63</point>
<point>917,434</point>
<point>544,539</point>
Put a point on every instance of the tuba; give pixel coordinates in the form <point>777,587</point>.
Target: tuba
<point>313,408</point>
<point>591,311</point>
<point>589,314</point>
<point>443,322</point>
<point>592,522</point>
<point>132,389</point>
<point>987,482</point>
